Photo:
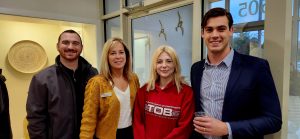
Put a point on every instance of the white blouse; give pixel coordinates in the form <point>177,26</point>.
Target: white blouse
<point>125,119</point>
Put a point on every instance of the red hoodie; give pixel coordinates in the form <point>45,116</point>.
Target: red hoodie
<point>163,113</point>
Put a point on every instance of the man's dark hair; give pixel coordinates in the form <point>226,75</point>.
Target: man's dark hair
<point>216,12</point>
<point>69,31</point>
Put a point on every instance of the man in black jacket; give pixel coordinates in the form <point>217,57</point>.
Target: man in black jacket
<point>56,94</point>
<point>5,128</point>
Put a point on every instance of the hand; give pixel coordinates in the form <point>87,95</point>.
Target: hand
<point>210,126</point>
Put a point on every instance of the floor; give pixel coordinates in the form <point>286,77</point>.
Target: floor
<point>294,117</point>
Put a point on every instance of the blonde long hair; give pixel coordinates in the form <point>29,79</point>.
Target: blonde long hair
<point>177,71</point>
<point>105,68</point>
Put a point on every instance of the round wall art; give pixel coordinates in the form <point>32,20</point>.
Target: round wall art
<point>27,56</point>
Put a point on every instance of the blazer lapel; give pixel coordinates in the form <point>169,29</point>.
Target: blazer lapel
<point>233,77</point>
<point>197,85</point>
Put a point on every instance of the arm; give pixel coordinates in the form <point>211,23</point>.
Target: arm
<point>269,120</point>
<point>139,115</point>
<point>37,110</point>
<point>90,109</point>
<point>185,127</point>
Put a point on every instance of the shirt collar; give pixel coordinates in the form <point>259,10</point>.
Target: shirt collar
<point>227,61</point>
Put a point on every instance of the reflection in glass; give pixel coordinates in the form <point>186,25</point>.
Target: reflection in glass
<point>111,6</point>
<point>112,28</point>
<point>146,37</point>
<point>247,10</point>
<point>249,43</point>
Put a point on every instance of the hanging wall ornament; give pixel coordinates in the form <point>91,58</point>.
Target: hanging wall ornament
<point>27,56</point>
<point>180,23</point>
<point>162,31</point>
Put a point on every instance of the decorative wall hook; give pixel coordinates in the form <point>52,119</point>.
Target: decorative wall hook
<point>180,23</point>
<point>162,31</point>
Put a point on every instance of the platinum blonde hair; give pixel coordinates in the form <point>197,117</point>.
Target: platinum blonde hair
<point>154,77</point>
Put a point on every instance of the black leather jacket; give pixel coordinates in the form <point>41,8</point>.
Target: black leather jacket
<point>52,103</point>
<point>5,128</point>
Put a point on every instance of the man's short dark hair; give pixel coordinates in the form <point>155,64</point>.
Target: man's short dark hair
<point>69,31</point>
<point>216,12</point>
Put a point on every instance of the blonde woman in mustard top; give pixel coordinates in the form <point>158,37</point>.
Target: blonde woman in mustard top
<point>109,97</point>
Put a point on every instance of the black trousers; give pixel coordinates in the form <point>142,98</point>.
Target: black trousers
<point>125,133</point>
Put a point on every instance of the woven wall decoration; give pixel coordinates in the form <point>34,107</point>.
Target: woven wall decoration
<point>27,56</point>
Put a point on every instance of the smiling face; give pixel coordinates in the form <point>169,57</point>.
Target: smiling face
<point>117,56</point>
<point>69,47</point>
<point>165,66</point>
<point>217,35</point>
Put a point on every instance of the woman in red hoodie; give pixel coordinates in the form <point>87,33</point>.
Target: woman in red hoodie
<point>164,107</point>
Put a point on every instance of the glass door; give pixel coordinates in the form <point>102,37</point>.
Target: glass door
<point>172,27</point>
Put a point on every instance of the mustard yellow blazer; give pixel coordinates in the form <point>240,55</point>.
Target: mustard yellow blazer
<point>101,109</point>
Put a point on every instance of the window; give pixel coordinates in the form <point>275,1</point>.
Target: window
<point>247,10</point>
<point>112,28</point>
<point>294,98</point>
<point>111,6</point>
<point>220,3</point>
<point>132,3</point>
<point>249,43</point>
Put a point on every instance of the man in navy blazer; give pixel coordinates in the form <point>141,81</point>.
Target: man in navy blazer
<point>236,91</point>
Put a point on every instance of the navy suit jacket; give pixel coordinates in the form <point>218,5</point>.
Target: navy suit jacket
<point>251,105</point>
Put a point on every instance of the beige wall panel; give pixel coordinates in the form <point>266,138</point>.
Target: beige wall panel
<point>44,32</point>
